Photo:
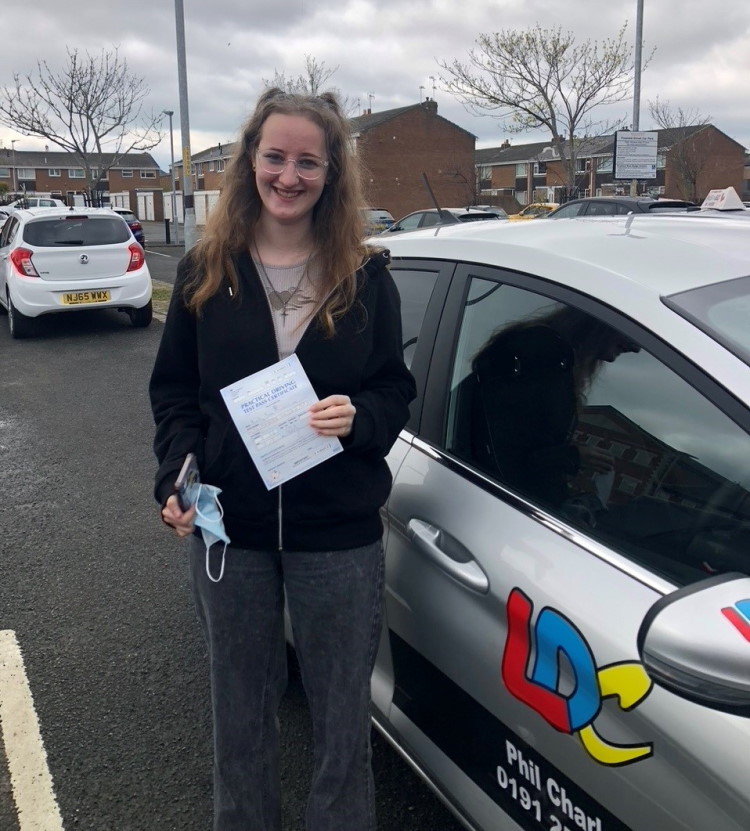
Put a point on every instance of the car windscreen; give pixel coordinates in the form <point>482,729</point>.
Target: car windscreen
<point>721,310</point>
<point>128,216</point>
<point>76,230</point>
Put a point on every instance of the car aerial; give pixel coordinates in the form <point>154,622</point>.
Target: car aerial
<point>618,206</point>
<point>35,202</point>
<point>376,220</point>
<point>133,223</point>
<point>535,210</point>
<point>433,217</point>
<point>567,539</point>
<point>64,260</point>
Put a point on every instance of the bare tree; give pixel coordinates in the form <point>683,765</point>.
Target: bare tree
<point>687,157</point>
<point>538,77</point>
<point>312,82</point>
<point>90,107</point>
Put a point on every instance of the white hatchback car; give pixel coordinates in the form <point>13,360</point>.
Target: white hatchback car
<point>567,591</point>
<point>62,260</point>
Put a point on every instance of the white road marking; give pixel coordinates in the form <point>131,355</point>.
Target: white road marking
<point>31,782</point>
<point>159,254</point>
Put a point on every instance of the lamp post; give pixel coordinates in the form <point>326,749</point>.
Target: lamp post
<point>15,172</point>
<point>188,200</point>
<point>637,80</point>
<point>176,224</point>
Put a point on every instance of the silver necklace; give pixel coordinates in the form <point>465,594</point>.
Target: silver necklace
<point>279,300</point>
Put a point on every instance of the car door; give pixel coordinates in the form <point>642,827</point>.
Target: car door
<point>516,581</point>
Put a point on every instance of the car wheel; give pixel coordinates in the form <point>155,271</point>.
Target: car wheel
<point>20,325</point>
<point>142,317</point>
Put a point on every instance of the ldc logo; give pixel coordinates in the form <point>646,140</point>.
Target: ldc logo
<point>552,637</point>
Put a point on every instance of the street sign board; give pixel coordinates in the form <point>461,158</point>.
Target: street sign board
<point>635,155</point>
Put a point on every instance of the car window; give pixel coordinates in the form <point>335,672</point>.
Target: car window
<point>429,220</point>
<point>8,232</point>
<point>564,409</point>
<point>605,209</point>
<point>76,230</point>
<point>409,223</point>
<point>568,211</point>
<point>415,287</point>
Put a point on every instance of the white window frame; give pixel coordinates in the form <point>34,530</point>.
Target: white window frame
<point>26,173</point>
<point>4,173</point>
<point>76,173</point>
<point>54,172</point>
<point>521,169</point>
<point>220,166</point>
<point>148,174</point>
<point>126,173</point>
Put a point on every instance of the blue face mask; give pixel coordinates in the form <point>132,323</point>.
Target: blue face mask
<point>209,517</point>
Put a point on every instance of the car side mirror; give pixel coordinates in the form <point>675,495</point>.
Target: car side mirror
<point>695,642</point>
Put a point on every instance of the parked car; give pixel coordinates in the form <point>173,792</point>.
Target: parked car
<point>35,202</point>
<point>618,206</point>
<point>534,211</point>
<point>55,260</point>
<point>376,220</point>
<point>567,601</point>
<point>133,223</point>
<point>4,214</point>
<point>431,218</point>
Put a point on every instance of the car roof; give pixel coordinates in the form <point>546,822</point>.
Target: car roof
<point>630,250</point>
<point>30,213</point>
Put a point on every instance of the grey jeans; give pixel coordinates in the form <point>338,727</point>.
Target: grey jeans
<point>335,605</point>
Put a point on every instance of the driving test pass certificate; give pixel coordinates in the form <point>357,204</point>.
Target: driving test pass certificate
<point>269,408</point>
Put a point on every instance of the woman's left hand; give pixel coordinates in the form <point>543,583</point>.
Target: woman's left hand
<point>332,416</point>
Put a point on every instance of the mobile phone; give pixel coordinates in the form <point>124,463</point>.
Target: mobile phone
<point>187,483</point>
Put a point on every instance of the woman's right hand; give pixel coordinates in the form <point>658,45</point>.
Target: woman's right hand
<point>183,522</point>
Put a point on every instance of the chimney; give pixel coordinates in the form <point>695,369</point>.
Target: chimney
<point>430,105</point>
<point>505,144</point>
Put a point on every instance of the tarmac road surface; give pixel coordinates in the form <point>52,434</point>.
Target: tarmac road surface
<point>94,592</point>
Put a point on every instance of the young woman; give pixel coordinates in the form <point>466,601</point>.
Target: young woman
<point>281,268</point>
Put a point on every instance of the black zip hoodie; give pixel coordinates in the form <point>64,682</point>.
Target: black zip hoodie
<point>333,506</point>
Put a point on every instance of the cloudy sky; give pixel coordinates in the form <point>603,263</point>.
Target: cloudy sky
<point>387,52</point>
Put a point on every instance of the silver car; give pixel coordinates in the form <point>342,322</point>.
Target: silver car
<point>567,638</point>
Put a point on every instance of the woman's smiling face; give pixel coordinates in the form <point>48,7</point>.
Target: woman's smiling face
<point>286,197</point>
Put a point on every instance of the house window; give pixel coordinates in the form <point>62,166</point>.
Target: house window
<point>126,174</point>
<point>4,173</point>
<point>540,168</point>
<point>76,173</point>
<point>26,173</point>
<point>661,161</point>
<point>220,166</point>
<point>581,165</point>
<point>148,174</point>
<point>53,171</point>
<point>95,174</point>
<point>521,169</point>
<point>210,167</point>
<point>604,165</point>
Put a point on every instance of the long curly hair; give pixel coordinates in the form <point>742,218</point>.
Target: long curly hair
<point>337,217</point>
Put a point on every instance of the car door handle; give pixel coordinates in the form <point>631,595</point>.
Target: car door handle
<point>447,553</point>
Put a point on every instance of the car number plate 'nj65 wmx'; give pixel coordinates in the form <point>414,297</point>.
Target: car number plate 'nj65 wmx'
<point>77,298</point>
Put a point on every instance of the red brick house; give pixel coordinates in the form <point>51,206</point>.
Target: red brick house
<point>691,161</point>
<point>397,146</point>
<point>60,174</point>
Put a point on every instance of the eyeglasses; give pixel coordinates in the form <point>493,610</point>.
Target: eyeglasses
<point>275,164</point>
